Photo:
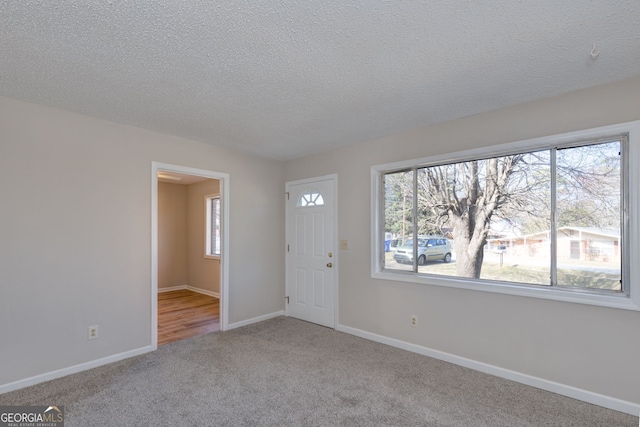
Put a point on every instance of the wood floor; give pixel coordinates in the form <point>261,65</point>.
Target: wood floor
<point>185,314</point>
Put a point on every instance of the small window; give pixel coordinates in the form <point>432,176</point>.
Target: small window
<point>310,198</point>
<point>212,219</point>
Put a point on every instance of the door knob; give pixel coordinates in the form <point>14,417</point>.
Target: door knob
<point>329,265</point>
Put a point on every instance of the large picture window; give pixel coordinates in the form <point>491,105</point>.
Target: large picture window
<point>543,215</point>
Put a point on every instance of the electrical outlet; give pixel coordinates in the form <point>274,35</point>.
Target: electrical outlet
<point>414,321</point>
<point>93,332</point>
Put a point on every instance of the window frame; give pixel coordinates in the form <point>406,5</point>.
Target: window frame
<point>208,199</point>
<point>629,299</point>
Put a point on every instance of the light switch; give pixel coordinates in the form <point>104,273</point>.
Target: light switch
<point>344,245</point>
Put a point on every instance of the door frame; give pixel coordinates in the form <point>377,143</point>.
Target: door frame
<point>224,255</point>
<point>334,179</point>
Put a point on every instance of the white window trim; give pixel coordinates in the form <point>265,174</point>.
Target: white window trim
<point>620,301</point>
<point>207,233</point>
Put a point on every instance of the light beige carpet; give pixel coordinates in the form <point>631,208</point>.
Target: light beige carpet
<point>285,372</point>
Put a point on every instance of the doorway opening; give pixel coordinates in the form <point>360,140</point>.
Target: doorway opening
<point>190,259</point>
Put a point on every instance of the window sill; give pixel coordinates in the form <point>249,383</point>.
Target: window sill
<point>619,301</point>
<point>212,257</point>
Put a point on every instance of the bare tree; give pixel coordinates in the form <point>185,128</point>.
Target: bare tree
<point>399,203</point>
<point>468,194</point>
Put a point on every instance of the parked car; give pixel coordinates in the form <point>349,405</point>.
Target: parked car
<point>430,248</point>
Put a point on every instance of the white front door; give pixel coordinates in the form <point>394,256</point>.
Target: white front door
<point>311,250</point>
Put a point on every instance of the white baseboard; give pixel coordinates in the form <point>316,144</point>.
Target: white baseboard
<point>172,288</point>
<point>37,379</point>
<point>204,291</point>
<point>562,389</point>
<point>255,320</point>
<point>190,288</point>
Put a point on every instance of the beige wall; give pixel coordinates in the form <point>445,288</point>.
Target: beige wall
<point>203,273</point>
<point>181,237</point>
<point>591,348</point>
<point>75,235</point>
<point>76,251</point>
<point>172,235</point>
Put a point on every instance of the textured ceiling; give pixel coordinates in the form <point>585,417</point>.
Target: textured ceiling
<point>283,79</point>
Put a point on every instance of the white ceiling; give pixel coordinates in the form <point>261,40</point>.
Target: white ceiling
<point>283,79</point>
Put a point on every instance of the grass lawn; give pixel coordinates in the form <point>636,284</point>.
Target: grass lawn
<point>531,274</point>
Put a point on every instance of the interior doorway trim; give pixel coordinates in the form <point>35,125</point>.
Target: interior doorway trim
<point>224,256</point>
